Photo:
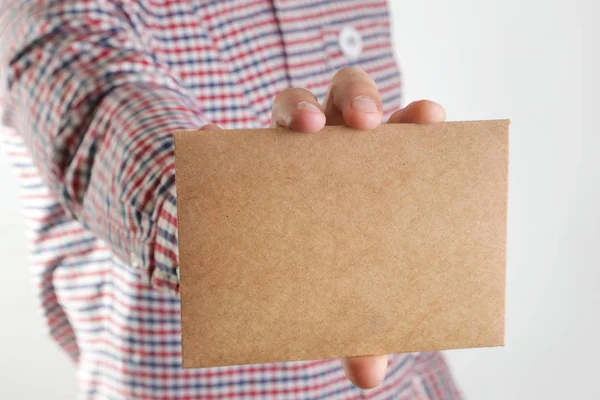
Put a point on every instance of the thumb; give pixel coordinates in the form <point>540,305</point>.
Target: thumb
<point>365,372</point>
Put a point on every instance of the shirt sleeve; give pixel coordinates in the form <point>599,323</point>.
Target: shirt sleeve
<point>97,111</point>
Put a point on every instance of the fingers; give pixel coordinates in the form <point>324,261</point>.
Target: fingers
<point>298,110</point>
<point>353,100</point>
<point>365,372</point>
<point>210,127</point>
<point>419,112</point>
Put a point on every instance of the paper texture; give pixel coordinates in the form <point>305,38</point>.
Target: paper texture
<point>342,243</point>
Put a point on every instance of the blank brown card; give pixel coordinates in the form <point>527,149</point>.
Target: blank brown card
<point>342,243</point>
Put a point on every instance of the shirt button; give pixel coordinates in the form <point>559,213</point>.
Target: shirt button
<point>350,42</point>
<point>134,260</point>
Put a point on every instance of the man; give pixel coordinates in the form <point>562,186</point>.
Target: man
<point>94,90</point>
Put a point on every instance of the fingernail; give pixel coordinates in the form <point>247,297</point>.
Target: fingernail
<point>306,106</point>
<point>364,104</point>
<point>284,119</point>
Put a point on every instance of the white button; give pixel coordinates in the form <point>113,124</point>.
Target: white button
<point>134,260</point>
<point>350,42</point>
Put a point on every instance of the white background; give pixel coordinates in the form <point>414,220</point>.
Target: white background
<point>528,60</point>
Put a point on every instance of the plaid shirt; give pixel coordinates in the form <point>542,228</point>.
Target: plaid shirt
<point>94,90</point>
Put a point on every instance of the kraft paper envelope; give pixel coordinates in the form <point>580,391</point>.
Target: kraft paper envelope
<point>342,243</point>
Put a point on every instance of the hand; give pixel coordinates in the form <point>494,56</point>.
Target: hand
<point>352,100</point>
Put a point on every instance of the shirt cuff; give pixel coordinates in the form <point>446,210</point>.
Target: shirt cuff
<point>160,257</point>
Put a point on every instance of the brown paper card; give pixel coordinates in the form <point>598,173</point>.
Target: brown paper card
<point>342,243</point>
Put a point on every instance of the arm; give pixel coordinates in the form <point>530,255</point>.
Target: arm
<point>97,111</point>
